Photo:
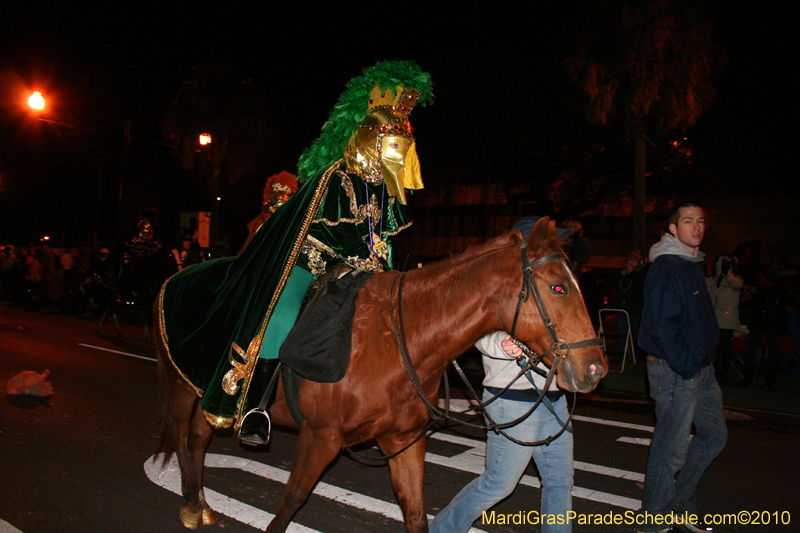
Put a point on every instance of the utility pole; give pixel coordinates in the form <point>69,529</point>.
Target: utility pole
<point>126,145</point>
<point>93,237</point>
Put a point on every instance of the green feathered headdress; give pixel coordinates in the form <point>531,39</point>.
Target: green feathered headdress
<point>352,107</point>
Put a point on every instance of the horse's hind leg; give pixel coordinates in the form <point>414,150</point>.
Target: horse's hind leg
<point>146,334</point>
<point>191,435</point>
<point>407,480</point>
<point>314,452</point>
<point>201,434</point>
<point>101,321</point>
<point>120,336</point>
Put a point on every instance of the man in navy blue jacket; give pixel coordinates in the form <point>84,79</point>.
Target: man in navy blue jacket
<point>679,330</point>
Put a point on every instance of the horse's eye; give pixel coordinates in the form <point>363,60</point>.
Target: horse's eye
<point>558,289</point>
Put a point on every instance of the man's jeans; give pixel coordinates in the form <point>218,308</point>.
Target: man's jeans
<point>680,402</point>
<point>507,461</point>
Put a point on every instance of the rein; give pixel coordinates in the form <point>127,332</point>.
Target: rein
<point>435,414</point>
<point>559,349</point>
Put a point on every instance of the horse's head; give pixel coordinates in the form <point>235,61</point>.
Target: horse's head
<point>557,299</point>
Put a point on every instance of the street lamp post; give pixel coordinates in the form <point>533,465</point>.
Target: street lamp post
<point>123,175</point>
<point>205,140</point>
<point>37,103</point>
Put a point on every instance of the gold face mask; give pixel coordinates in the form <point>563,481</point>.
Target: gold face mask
<point>145,231</point>
<point>393,162</point>
<point>277,198</point>
<point>383,149</point>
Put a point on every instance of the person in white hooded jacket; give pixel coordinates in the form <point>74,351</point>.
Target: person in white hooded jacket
<point>725,288</point>
<point>506,461</point>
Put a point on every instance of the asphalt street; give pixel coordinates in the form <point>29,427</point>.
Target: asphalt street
<point>82,460</point>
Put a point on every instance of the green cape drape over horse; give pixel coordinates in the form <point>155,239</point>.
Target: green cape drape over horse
<point>212,317</point>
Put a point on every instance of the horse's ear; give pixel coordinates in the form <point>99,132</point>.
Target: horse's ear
<point>540,235</point>
<point>553,230</point>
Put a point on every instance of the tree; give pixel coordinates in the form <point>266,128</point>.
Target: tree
<point>649,66</point>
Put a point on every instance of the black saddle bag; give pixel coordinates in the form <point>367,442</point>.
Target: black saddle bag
<point>318,346</point>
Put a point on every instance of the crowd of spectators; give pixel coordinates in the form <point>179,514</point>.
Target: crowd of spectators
<point>771,301</point>
<point>44,278</point>
<point>757,306</point>
<point>64,280</point>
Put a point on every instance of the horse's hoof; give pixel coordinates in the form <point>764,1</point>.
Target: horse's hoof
<point>208,517</point>
<point>193,519</point>
<point>208,514</point>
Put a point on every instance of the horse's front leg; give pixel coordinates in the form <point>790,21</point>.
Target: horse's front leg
<point>315,451</point>
<point>408,470</point>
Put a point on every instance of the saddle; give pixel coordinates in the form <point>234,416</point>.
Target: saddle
<point>318,346</point>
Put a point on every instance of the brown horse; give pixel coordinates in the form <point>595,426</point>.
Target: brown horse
<point>447,306</point>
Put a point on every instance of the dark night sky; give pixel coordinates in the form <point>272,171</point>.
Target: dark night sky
<point>495,67</point>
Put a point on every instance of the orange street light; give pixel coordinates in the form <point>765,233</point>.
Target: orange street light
<point>36,101</point>
<point>205,138</point>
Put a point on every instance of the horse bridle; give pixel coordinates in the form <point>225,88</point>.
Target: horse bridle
<point>559,349</point>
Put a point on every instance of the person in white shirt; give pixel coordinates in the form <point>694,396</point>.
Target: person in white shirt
<point>506,460</point>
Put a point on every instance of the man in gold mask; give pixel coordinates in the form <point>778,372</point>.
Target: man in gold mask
<point>279,188</point>
<point>226,319</point>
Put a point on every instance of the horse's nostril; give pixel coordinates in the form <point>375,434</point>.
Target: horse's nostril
<point>595,371</point>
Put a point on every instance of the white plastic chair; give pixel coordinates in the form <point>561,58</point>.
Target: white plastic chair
<point>628,335</point>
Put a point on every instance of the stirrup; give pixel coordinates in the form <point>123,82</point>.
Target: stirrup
<point>256,438</point>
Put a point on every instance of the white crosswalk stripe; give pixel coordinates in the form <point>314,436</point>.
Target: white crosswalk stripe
<point>169,478</point>
<point>471,460</point>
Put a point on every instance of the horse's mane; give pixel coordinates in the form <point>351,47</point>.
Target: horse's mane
<point>455,260</point>
<point>470,254</point>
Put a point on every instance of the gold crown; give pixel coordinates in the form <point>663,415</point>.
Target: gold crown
<point>281,188</point>
<point>281,182</point>
<point>397,103</point>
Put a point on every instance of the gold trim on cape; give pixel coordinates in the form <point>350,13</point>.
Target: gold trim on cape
<point>162,332</point>
<point>255,344</point>
<point>230,381</point>
<point>347,185</point>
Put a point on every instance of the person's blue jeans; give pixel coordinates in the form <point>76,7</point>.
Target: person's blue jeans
<point>507,461</point>
<point>679,402</point>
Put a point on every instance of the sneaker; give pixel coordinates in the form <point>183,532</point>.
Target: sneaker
<point>698,527</point>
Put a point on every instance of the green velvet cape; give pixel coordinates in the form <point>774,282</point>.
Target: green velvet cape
<point>213,315</point>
